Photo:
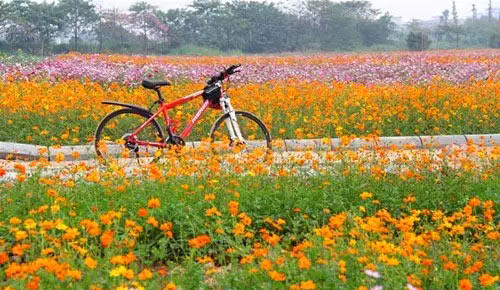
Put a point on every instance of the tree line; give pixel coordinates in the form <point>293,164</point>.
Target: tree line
<point>454,31</point>
<point>215,25</point>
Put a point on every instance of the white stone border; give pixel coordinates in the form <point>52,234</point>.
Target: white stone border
<point>19,151</point>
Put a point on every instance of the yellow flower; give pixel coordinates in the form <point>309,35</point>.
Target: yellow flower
<point>29,224</point>
<point>118,271</point>
<point>21,235</point>
<point>366,195</point>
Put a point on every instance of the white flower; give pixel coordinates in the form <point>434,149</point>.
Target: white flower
<point>373,274</point>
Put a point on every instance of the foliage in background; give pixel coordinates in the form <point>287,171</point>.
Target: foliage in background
<point>247,26</point>
<point>229,26</point>
<point>418,41</point>
<point>459,31</point>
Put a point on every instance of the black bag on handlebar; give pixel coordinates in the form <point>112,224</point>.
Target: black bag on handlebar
<point>212,93</point>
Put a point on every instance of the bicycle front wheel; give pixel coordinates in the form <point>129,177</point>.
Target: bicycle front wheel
<point>111,136</point>
<point>253,131</point>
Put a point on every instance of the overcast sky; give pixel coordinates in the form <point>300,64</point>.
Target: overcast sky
<point>408,9</point>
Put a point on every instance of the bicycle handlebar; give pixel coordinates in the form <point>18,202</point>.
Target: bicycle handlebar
<point>224,74</point>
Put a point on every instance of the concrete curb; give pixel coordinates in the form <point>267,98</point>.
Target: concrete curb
<point>20,151</point>
<point>85,152</point>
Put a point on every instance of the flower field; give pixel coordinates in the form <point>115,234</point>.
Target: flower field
<point>359,220</point>
<point>57,101</point>
<point>385,218</point>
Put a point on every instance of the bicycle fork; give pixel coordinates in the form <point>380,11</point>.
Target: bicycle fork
<point>231,123</point>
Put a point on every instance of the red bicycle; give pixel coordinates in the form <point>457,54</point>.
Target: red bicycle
<point>134,131</point>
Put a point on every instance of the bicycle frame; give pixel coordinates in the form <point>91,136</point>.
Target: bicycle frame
<point>168,122</point>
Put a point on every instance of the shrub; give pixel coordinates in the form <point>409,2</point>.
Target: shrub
<point>418,41</point>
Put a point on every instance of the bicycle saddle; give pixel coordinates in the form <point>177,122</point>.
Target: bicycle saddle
<point>152,85</point>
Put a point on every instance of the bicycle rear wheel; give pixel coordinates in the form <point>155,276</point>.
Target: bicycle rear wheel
<point>111,134</point>
<point>253,131</point>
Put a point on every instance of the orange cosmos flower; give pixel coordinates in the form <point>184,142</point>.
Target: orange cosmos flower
<point>450,266</point>
<point>15,221</point>
<point>199,241</point>
<point>465,284</point>
<point>145,274</point>
<point>304,263</point>
<point>487,280</point>
<point>307,285</point>
<point>366,195</point>
<point>70,234</point>
<point>142,212</point>
<point>475,202</point>
<point>152,221</point>
<point>107,238</point>
<point>33,283</point>
<point>154,203</point>
<point>213,211</point>
<point>277,276</point>
<point>170,286</point>
<point>233,207</point>
<point>90,263</point>
<point>209,197</point>
<point>4,258</point>
<point>266,265</point>
<point>51,192</point>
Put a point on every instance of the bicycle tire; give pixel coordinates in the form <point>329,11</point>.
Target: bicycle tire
<point>253,118</point>
<point>115,114</point>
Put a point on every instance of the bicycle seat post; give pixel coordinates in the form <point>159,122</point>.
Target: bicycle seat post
<point>160,98</point>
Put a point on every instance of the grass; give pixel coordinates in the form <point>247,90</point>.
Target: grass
<point>325,229</point>
<point>19,57</point>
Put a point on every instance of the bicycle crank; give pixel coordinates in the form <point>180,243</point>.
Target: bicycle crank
<point>176,140</point>
<point>130,145</point>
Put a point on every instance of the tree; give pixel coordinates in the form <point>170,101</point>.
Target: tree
<point>174,20</point>
<point>444,26</point>
<point>207,23</point>
<point>79,16</point>
<point>474,12</point>
<point>418,41</point>
<point>376,31</point>
<point>456,25</point>
<point>19,31</point>
<point>32,25</point>
<point>334,24</point>
<point>141,12</point>
<point>114,28</point>
<point>490,11</point>
<point>256,27</point>
<point>4,15</point>
<point>47,22</point>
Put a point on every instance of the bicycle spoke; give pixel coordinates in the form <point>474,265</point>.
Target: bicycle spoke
<point>114,135</point>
